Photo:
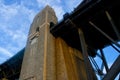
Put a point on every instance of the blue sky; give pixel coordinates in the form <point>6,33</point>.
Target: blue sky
<point>16,17</point>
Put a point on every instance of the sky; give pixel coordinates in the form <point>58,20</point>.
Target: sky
<point>16,17</point>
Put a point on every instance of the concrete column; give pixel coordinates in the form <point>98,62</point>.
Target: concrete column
<point>39,57</point>
<point>69,62</point>
<point>47,57</point>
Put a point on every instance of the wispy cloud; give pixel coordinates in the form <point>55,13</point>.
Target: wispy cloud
<point>15,21</point>
<point>60,6</point>
<point>72,4</point>
<point>55,4</point>
<point>2,59</point>
<point>49,2</point>
<point>5,52</point>
<point>59,11</point>
<point>7,11</point>
<point>16,18</point>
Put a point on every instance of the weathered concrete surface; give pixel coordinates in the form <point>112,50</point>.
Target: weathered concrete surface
<point>39,58</point>
<point>69,62</point>
<point>47,57</point>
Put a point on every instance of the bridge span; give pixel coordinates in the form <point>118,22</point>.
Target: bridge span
<point>97,21</point>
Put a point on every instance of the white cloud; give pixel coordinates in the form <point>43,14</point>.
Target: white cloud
<point>20,38</point>
<point>59,11</point>
<point>43,2</point>
<point>15,35</point>
<point>59,1</point>
<point>46,2</point>
<point>72,4</point>
<point>15,21</point>
<point>5,52</point>
<point>13,40</point>
<point>30,13</point>
<point>60,6</point>
<point>7,11</point>
<point>55,4</point>
<point>2,59</point>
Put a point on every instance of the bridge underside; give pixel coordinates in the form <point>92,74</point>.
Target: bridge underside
<point>86,16</point>
<point>102,14</point>
<point>11,68</point>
